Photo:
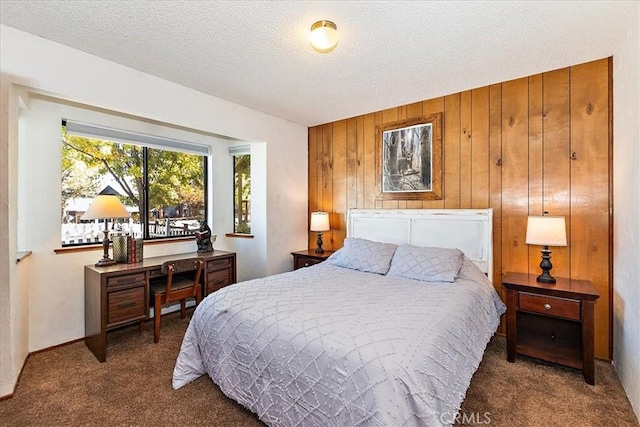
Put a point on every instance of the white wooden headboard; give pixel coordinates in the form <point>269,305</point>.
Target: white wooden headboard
<point>470,230</point>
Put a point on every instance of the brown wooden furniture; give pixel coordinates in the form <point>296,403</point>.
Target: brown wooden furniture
<point>118,295</point>
<point>552,322</point>
<point>176,287</point>
<point>308,258</point>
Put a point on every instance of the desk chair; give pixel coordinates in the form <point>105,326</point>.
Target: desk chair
<point>183,281</point>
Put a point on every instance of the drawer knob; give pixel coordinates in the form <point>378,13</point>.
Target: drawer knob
<point>306,264</point>
<point>547,306</point>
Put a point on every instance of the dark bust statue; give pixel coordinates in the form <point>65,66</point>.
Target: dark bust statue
<point>204,238</point>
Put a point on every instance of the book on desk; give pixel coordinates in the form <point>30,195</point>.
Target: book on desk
<point>127,249</point>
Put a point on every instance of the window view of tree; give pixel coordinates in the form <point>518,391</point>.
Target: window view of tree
<point>242,193</point>
<point>175,183</point>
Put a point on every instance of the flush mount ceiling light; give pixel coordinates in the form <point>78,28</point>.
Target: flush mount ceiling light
<point>324,36</point>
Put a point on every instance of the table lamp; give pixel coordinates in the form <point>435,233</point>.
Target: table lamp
<point>319,223</point>
<point>546,231</point>
<point>106,205</point>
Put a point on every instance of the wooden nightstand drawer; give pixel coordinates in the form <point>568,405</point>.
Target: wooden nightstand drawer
<point>306,262</point>
<point>217,280</point>
<point>308,258</point>
<point>126,305</point>
<point>549,306</point>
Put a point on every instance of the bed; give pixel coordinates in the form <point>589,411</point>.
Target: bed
<point>388,331</point>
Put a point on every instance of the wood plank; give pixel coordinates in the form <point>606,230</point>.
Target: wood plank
<point>515,201</point>
<point>535,161</point>
<point>370,191</point>
<point>556,136</point>
<point>495,170</point>
<point>314,179</point>
<point>466,158</point>
<point>360,162</point>
<point>377,121</point>
<point>429,107</point>
<point>590,191</point>
<point>480,148</point>
<point>495,184</point>
<point>352,164</point>
<point>414,110</point>
<point>339,212</point>
<point>451,150</point>
<point>326,197</point>
<point>389,116</point>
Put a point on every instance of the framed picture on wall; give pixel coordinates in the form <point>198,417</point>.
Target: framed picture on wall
<point>409,159</point>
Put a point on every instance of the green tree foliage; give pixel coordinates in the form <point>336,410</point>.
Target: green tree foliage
<point>176,179</point>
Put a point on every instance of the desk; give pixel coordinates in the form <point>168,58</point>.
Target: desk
<point>118,295</point>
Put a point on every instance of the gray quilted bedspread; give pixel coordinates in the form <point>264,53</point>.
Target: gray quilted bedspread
<point>329,346</point>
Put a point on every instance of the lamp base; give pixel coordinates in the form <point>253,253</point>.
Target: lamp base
<point>104,262</point>
<point>545,278</point>
<point>546,266</point>
<point>319,249</point>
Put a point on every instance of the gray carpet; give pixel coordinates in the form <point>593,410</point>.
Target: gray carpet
<point>67,386</point>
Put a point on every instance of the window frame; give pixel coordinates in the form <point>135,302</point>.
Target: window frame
<point>144,216</point>
<point>235,188</point>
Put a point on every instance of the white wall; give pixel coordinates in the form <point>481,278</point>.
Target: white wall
<point>13,277</point>
<point>56,281</point>
<point>626,212</point>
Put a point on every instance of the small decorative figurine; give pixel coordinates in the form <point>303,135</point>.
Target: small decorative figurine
<point>204,239</point>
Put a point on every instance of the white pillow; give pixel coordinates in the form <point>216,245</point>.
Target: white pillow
<point>426,263</point>
<point>364,255</point>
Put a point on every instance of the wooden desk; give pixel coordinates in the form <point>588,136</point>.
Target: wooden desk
<point>118,295</point>
<point>552,322</point>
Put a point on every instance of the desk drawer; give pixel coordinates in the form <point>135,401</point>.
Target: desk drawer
<point>126,305</point>
<point>550,306</point>
<point>218,264</point>
<point>125,279</point>
<point>217,280</point>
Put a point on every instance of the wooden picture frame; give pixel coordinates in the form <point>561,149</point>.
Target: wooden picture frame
<point>409,159</point>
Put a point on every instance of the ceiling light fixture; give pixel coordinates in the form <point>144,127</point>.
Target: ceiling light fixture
<point>324,36</point>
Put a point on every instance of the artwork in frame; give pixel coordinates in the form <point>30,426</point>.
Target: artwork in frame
<point>409,159</point>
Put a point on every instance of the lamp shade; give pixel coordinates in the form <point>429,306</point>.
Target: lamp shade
<point>319,221</point>
<point>106,205</point>
<point>324,36</point>
<point>546,230</point>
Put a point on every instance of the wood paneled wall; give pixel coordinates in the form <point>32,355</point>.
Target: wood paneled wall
<point>520,147</point>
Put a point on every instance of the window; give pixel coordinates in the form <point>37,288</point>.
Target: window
<point>242,193</point>
<point>162,186</point>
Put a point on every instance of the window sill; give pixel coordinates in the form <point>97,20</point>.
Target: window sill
<point>240,235</point>
<point>86,248</point>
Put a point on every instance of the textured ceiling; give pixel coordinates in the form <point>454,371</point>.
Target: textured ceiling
<point>390,53</point>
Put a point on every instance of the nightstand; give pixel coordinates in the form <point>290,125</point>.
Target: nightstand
<point>308,258</point>
<point>552,322</point>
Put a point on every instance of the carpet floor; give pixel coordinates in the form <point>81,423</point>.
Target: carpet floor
<point>67,386</point>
